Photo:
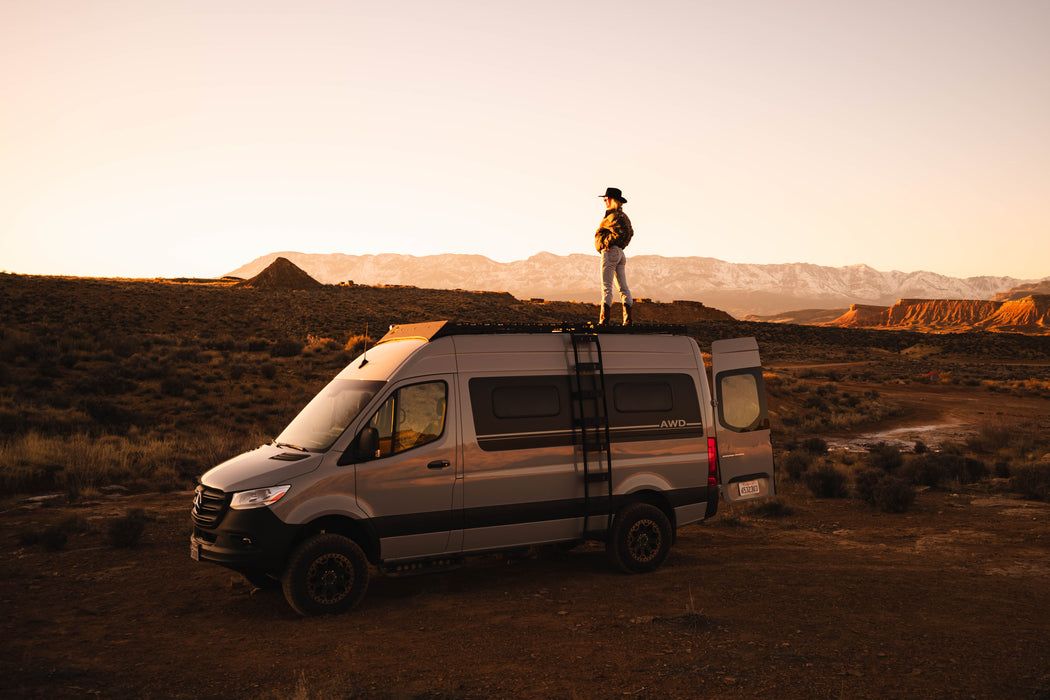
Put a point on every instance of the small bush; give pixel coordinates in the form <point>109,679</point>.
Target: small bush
<point>826,482</point>
<point>796,463</point>
<point>865,481</point>
<point>772,508</point>
<point>815,446</point>
<point>1032,481</point>
<point>126,531</point>
<point>285,348</point>
<point>268,370</point>
<point>885,457</point>
<point>931,469</point>
<point>920,448</point>
<point>356,344</point>
<point>893,494</point>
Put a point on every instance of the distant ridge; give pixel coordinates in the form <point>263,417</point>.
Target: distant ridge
<point>1030,314</point>
<point>282,273</point>
<point>738,288</point>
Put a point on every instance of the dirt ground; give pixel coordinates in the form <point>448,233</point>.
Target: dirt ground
<point>950,599</point>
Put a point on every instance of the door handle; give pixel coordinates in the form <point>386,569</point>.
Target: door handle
<point>439,464</point>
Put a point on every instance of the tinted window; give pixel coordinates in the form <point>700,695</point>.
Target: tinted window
<point>640,397</point>
<point>412,416</point>
<point>741,405</point>
<point>525,401</point>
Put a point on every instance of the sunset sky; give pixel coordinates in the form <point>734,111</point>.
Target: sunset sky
<point>146,138</point>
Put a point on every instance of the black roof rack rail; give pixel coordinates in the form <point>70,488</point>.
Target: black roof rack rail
<point>438,329</point>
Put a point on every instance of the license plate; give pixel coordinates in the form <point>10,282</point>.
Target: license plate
<point>195,551</point>
<point>750,488</point>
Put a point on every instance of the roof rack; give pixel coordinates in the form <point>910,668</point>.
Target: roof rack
<point>438,329</point>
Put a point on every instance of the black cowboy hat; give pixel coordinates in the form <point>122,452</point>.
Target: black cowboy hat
<point>614,193</point>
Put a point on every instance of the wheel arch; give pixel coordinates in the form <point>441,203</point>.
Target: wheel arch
<point>359,531</point>
<point>653,498</point>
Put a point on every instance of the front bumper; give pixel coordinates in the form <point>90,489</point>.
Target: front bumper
<point>244,540</point>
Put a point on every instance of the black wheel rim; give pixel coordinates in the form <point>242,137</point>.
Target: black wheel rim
<point>643,540</point>
<point>330,578</point>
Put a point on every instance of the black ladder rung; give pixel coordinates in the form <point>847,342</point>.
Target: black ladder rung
<point>589,394</point>
<point>596,477</point>
<point>592,422</point>
<point>588,366</point>
<point>596,534</point>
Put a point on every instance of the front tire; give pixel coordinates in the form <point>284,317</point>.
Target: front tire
<point>326,574</point>
<point>640,538</point>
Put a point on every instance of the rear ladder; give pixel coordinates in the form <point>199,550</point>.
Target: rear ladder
<point>590,419</point>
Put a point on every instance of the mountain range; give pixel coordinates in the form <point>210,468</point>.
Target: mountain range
<point>739,288</point>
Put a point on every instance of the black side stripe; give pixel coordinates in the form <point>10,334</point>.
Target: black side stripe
<point>565,438</point>
<point>518,513</point>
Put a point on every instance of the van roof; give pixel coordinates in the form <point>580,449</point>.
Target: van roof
<point>439,329</point>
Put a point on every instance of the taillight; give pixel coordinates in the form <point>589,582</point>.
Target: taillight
<point>712,462</point>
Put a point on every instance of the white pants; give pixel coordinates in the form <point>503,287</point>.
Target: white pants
<point>614,264</point>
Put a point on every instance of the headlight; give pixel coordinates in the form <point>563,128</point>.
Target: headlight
<point>258,498</point>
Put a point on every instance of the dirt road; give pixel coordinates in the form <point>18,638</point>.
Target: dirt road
<point>836,600</point>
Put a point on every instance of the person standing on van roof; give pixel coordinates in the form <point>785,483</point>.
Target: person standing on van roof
<point>611,238</point>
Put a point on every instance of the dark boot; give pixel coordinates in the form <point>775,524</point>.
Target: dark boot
<point>603,320</point>
<point>627,314</point>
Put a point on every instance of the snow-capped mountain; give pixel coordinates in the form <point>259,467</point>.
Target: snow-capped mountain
<point>738,288</point>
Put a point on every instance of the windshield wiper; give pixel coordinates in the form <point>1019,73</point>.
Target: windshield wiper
<point>288,444</point>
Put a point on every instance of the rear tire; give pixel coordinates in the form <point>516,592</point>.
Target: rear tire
<point>640,538</point>
<point>326,574</point>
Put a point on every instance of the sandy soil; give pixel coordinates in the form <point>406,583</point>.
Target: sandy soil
<point>834,600</point>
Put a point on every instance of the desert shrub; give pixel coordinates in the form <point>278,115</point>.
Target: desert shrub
<point>356,344</point>
<point>991,437</point>
<point>795,464</point>
<point>826,482</point>
<point>286,348</point>
<point>237,371</point>
<point>772,508</point>
<point>258,344</point>
<point>175,385</point>
<point>268,370</point>
<point>864,483</point>
<point>885,457</point>
<point>127,530</point>
<point>970,470</point>
<point>815,446</point>
<point>316,344</point>
<point>1001,470</point>
<point>106,413</point>
<point>920,448</point>
<point>1032,481</point>
<point>930,469</point>
<point>105,381</point>
<point>893,494</point>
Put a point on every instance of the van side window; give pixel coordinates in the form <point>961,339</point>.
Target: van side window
<point>525,401</point>
<point>741,404</point>
<point>642,397</point>
<point>412,416</point>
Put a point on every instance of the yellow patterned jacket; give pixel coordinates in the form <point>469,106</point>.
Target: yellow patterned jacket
<point>615,230</point>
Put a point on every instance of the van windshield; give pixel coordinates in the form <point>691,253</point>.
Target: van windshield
<point>328,414</point>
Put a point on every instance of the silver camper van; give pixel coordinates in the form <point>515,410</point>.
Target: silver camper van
<point>443,441</point>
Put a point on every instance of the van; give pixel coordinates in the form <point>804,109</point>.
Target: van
<point>446,440</point>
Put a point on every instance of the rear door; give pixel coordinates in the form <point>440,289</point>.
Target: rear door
<point>745,454</point>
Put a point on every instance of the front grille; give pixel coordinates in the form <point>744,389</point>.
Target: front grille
<point>209,505</point>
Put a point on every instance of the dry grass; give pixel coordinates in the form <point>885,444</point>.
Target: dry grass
<point>148,384</point>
